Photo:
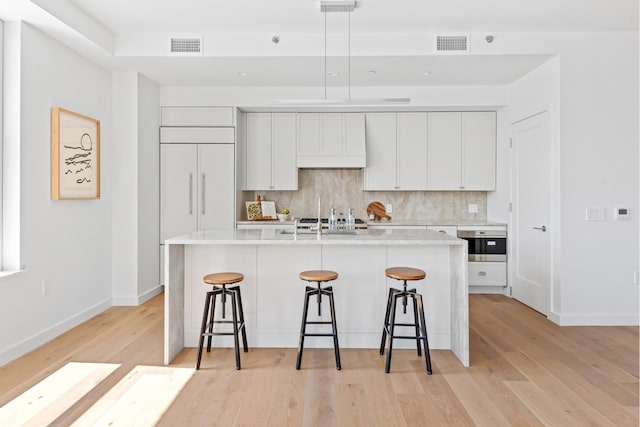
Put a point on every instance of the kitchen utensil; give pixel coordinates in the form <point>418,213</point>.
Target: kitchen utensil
<point>378,211</point>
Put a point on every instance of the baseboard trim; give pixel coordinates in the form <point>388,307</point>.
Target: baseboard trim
<point>138,300</point>
<point>626,319</point>
<point>35,341</point>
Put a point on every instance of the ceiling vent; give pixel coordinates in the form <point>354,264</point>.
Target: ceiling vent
<point>191,46</point>
<point>451,43</point>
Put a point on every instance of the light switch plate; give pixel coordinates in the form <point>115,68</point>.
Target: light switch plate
<point>473,208</point>
<point>595,214</point>
<point>389,208</point>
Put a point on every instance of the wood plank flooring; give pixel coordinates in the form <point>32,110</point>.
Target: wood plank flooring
<point>525,371</point>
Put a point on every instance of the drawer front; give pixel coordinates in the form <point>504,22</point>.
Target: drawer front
<point>451,230</point>
<point>487,274</point>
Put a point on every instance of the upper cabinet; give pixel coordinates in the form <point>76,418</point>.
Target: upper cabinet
<point>462,151</point>
<point>197,116</point>
<point>270,151</point>
<point>331,140</point>
<point>396,151</point>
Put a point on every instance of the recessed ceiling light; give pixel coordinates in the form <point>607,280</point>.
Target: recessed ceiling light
<point>425,73</point>
<point>333,74</point>
<point>243,73</point>
<point>372,71</point>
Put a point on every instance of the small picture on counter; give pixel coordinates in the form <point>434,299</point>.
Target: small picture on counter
<point>261,211</point>
<point>254,210</point>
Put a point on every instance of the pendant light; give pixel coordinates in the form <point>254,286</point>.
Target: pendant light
<point>338,6</point>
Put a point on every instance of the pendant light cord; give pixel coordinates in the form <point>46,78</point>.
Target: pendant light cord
<point>325,55</point>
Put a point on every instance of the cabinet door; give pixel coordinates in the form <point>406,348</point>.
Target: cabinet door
<point>445,151</point>
<point>178,192</point>
<point>479,150</point>
<point>380,173</point>
<point>216,189</point>
<point>309,134</point>
<point>283,156</point>
<point>354,135</point>
<point>412,151</point>
<point>258,151</point>
<point>331,134</point>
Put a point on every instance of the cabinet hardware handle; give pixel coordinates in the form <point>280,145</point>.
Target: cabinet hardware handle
<point>203,208</point>
<point>482,273</point>
<point>190,193</point>
<point>543,228</point>
<point>442,231</point>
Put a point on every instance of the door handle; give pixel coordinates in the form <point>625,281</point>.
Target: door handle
<point>190,193</point>
<point>543,228</point>
<point>203,180</point>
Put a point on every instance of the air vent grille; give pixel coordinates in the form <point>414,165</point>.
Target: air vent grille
<point>186,45</point>
<point>452,43</point>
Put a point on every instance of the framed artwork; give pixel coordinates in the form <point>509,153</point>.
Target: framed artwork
<point>75,156</point>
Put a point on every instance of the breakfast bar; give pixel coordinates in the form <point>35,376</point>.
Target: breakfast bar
<point>272,293</point>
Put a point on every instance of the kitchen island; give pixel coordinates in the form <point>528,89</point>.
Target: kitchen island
<point>273,294</point>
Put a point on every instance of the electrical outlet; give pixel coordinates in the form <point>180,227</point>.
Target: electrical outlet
<point>389,208</point>
<point>45,289</point>
<point>473,208</point>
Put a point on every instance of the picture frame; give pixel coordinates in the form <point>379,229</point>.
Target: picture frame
<point>75,156</point>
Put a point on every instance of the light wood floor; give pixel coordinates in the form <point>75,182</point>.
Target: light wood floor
<point>524,371</point>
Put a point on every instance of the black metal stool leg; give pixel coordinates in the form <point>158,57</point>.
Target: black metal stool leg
<point>423,325</point>
<point>392,323</point>
<point>416,321</point>
<point>203,328</point>
<point>234,312</point>
<point>214,295</point>
<point>334,326</point>
<point>242,324</point>
<point>303,326</point>
<point>386,321</point>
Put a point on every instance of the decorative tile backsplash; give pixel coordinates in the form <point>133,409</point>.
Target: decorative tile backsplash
<point>342,189</point>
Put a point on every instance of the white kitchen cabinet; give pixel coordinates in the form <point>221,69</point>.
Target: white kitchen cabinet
<point>197,116</point>
<point>462,151</point>
<point>331,140</point>
<point>396,151</point>
<point>270,152</point>
<point>487,273</point>
<point>197,188</point>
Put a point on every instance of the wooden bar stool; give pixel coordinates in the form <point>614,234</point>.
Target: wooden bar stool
<point>318,276</point>
<point>220,282</point>
<point>404,274</point>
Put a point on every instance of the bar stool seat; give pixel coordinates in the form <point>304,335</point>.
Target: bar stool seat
<point>219,281</point>
<point>388,331</point>
<point>318,276</point>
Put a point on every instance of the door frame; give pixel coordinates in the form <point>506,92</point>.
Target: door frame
<point>553,294</point>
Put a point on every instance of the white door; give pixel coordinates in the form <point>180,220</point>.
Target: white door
<point>178,192</point>
<point>284,160</point>
<point>530,230</point>
<point>445,151</point>
<point>258,152</point>
<point>412,151</point>
<point>380,173</point>
<point>216,194</point>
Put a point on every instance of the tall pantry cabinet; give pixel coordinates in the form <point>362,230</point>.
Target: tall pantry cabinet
<point>197,172</point>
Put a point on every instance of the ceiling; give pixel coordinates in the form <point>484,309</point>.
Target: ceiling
<point>391,42</point>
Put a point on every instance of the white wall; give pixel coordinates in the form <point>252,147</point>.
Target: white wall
<point>599,166</point>
<point>148,189</point>
<point>136,259</point>
<point>65,244</point>
<point>593,88</point>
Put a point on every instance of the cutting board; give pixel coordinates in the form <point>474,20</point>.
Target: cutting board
<point>378,211</point>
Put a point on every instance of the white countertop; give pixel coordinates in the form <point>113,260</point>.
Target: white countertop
<point>274,237</point>
<point>394,222</point>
